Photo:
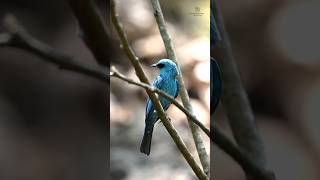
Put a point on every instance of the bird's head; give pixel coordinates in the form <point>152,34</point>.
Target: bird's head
<point>167,67</point>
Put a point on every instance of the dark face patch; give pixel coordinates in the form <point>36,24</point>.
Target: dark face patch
<point>160,65</point>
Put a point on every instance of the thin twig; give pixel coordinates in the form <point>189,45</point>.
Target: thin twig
<point>92,28</point>
<point>160,112</point>
<point>203,156</point>
<point>17,37</point>
<point>235,100</point>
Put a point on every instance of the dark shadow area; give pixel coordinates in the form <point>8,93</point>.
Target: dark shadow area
<point>53,122</point>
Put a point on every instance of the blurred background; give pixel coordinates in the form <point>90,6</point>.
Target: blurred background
<point>276,45</point>
<point>52,121</point>
<point>188,24</point>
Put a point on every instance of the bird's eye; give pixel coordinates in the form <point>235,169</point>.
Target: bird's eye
<point>160,65</point>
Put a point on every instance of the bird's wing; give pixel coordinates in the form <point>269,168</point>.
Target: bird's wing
<point>157,83</point>
<point>215,85</point>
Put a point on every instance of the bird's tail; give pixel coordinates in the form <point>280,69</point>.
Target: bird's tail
<point>146,140</point>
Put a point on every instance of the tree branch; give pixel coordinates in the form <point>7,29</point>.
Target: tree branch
<point>115,73</point>
<point>17,37</point>
<point>92,28</point>
<point>160,112</point>
<point>235,100</point>
<point>203,156</point>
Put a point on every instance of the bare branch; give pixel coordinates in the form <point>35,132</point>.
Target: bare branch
<point>92,28</point>
<point>203,156</point>
<point>17,37</point>
<point>160,112</point>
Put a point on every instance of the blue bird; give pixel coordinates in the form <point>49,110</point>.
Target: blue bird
<point>167,82</point>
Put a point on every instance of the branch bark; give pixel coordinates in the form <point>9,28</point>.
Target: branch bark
<point>203,156</point>
<point>160,112</point>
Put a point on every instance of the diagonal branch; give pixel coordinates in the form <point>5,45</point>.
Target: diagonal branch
<point>17,37</point>
<point>203,156</point>
<point>160,112</point>
<point>92,28</point>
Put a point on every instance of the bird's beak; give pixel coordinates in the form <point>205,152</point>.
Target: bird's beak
<point>154,65</point>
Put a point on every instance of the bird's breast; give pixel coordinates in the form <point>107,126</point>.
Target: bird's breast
<point>170,87</point>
